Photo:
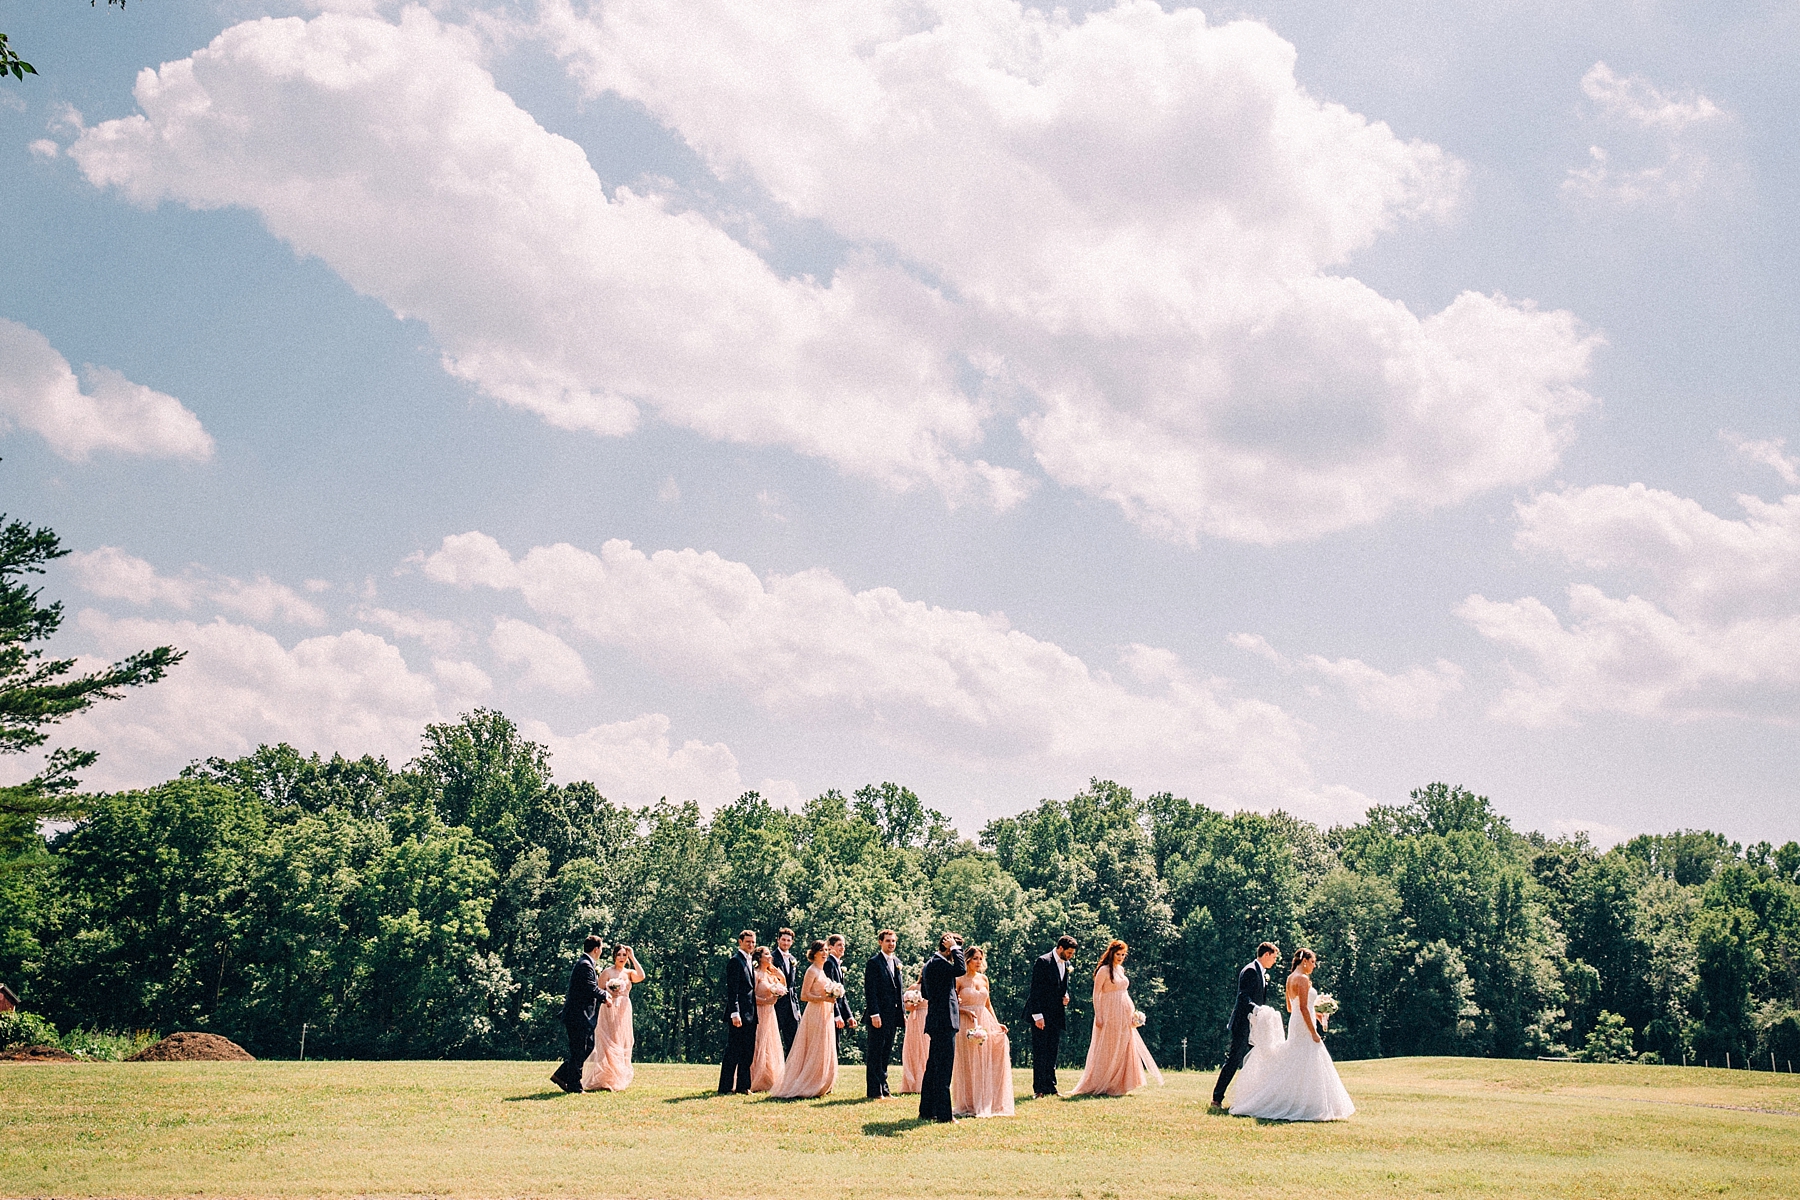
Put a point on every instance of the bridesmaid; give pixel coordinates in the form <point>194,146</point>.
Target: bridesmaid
<point>981,1084</point>
<point>1117,1061</point>
<point>917,1046</point>
<point>608,1067</point>
<point>768,1062</point>
<point>812,1065</point>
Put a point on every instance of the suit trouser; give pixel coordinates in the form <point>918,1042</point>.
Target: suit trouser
<point>740,1048</point>
<point>934,1090</point>
<point>788,1023</point>
<point>880,1054</point>
<point>1240,1046</point>
<point>581,1044</point>
<point>1045,1043</point>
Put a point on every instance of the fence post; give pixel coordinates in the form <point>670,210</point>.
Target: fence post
<point>1184,1054</point>
<point>303,1041</point>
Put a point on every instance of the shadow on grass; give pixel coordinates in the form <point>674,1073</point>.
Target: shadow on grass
<point>893,1128</point>
<point>846,1100</point>
<point>708,1094</point>
<point>558,1094</point>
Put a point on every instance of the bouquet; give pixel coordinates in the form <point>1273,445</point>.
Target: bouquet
<point>833,990</point>
<point>976,1034</point>
<point>778,989</point>
<point>1138,1018</point>
<point>615,984</point>
<point>1324,1003</point>
<point>911,998</point>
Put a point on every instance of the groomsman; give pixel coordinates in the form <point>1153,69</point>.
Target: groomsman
<point>740,1017</point>
<point>787,1008</point>
<point>1252,983</point>
<point>881,1005</point>
<point>1044,1007</point>
<point>581,1009</point>
<point>835,945</point>
<point>942,1016</point>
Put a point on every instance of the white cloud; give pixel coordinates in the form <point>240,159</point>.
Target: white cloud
<point>1118,231</point>
<point>634,762</point>
<point>1659,129</point>
<point>550,663</point>
<point>1716,632</point>
<point>958,686</point>
<point>111,573</point>
<point>1413,695</point>
<point>386,151</point>
<point>102,410</point>
<point>1770,452</point>
<point>1602,835</point>
<point>1138,211</point>
<point>435,632</point>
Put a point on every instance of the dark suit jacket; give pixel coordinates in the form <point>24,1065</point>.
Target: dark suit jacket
<point>791,972</point>
<point>1049,985</point>
<point>942,1013</point>
<point>834,971</point>
<point>881,992</point>
<point>1253,981</point>
<point>740,988</point>
<point>585,995</point>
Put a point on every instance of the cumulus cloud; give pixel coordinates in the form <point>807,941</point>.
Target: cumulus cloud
<point>1139,211</point>
<point>961,686</point>
<point>1770,452</point>
<point>1711,628</point>
<point>1415,694</point>
<point>100,410</point>
<point>1664,158</point>
<point>548,661</point>
<point>111,573</point>
<point>1118,231</point>
<point>387,151</point>
<point>634,762</point>
<point>436,633</point>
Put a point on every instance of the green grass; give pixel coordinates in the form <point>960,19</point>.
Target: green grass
<point>1442,1127</point>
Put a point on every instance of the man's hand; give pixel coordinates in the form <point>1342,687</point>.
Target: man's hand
<point>737,1021</point>
<point>875,1020</point>
<point>1038,1021</point>
<point>1065,999</point>
<point>839,1022</point>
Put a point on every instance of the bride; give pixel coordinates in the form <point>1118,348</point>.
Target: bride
<point>1290,1077</point>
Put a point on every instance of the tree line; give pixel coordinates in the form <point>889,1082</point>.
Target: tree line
<point>433,910</point>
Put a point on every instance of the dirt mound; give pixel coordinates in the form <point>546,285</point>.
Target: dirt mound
<point>193,1047</point>
<point>36,1054</point>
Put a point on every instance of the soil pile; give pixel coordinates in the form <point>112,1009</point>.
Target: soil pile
<point>193,1047</point>
<point>36,1054</point>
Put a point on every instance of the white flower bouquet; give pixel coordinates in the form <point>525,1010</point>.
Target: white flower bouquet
<point>1138,1018</point>
<point>833,990</point>
<point>1324,1004</point>
<point>615,985</point>
<point>911,998</point>
<point>976,1034</point>
<point>778,989</point>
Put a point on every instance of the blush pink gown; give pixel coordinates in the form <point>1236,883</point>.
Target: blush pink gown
<point>767,1064</point>
<point>981,1083</point>
<point>1117,1060</point>
<point>914,1050</point>
<point>812,1065</point>
<point>608,1067</point>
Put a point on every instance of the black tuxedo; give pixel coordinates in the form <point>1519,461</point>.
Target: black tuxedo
<point>740,1039</point>
<point>1252,983</point>
<point>881,998</point>
<point>942,1018</point>
<point>787,1008</point>
<point>834,971</point>
<point>581,1008</point>
<point>1049,988</point>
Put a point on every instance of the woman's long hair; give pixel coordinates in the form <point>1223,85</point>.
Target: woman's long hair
<point>1110,960</point>
<point>1300,956</point>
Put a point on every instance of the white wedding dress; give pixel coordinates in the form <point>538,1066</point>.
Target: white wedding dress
<point>1287,1076</point>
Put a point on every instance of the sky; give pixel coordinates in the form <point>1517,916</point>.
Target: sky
<point>1284,406</point>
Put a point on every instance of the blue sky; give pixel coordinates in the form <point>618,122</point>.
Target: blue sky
<point>1285,406</point>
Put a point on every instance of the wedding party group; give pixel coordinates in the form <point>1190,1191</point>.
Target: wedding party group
<point>784,1018</point>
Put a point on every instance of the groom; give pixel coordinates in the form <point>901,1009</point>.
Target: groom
<point>1044,1006</point>
<point>1252,983</point>
<point>882,987</point>
<point>581,1009</point>
<point>942,1016</point>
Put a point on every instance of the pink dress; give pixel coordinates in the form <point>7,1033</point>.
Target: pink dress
<point>812,1065</point>
<point>767,1064</point>
<point>608,1067</point>
<point>914,1050</point>
<point>1117,1060</point>
<point>981,1084</point>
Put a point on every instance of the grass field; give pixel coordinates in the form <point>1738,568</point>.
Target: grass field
<point>1441,1127</point>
